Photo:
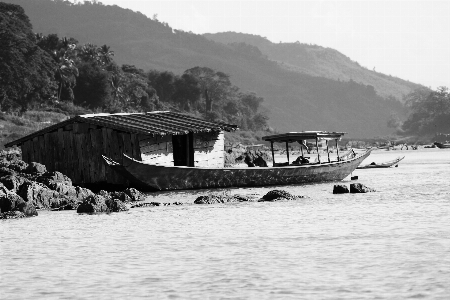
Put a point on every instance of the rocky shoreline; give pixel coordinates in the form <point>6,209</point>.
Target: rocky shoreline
<point>27,188</point>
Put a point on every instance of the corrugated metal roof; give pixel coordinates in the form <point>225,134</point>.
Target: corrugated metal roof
<point>150,123</point>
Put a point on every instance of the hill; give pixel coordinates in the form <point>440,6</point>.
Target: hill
<point>319,61</point>
<point>297,100</point>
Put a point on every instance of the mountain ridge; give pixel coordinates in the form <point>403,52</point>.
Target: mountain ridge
<point>318,61</point>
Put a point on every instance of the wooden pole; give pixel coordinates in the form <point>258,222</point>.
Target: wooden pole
<point>337,150</point>
<point>287,151</point>
<point>273,154</point>
<point>328,152</point>
<point>317,147</point>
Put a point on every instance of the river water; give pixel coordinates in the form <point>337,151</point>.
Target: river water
<point>391,244</point>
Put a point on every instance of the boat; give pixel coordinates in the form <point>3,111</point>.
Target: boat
<point>386,164</point>
<point>442,146</point>
<point>149,177</point>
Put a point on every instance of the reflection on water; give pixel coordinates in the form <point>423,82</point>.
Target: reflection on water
<point>392,244</point>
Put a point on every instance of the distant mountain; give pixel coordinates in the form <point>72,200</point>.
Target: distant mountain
<point>319,61</point>
<point>306,100</point>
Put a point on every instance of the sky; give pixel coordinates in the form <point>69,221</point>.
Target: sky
<point>403,38</point>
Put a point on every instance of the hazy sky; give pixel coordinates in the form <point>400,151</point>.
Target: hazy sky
<point>407,39</point>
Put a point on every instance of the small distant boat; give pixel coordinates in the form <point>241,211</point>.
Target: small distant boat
<point>442,146</point>
<point>386,164</point>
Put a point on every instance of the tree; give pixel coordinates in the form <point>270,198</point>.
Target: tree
<point>93,87</point>
<point>187,91</point>
<point>105,54</point>
<point>429,113</point>
<point>215,86</point>
<point>65,73</point>
<point>26,71</point>
<point>163,83</point>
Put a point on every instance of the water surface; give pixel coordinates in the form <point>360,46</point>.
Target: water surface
<point>392,244</point>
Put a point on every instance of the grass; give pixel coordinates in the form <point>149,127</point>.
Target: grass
<point>13,127</point>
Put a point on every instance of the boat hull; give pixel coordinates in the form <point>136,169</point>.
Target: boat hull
<point>382,165</point>
<point>159,178</point>
<point>442,146</point>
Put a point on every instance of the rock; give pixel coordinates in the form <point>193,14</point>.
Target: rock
<point>11,202</point>
<point>36,168</point>
<point>115,205</point>
<point>360,188</point>
<point>15,164</point>
<point>50,178</point>
<point>146,204</point>
<point>276,195</point>
<point>93,204</point>
<point>39,195</point>
<point>29,210</point>
<point>122,196</point>
<point>134,194</point>
<point>6,171</point>
<point>340,189</point>
<point>214,199</point>
<point>209,199</point>
<point>13,182</point>
<point>82,193</point>
<point>12,215</point>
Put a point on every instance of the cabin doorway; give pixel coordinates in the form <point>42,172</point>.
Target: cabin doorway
<point>183,150</point>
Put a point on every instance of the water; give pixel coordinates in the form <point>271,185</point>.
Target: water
<point>392,244</point>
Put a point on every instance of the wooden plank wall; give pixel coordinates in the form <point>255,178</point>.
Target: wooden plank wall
<point>76,150</point>
<point>157,150</point>
<point>209,149</point>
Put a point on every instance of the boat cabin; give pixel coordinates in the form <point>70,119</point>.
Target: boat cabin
<point>75,146</point>
<point>301,138</point>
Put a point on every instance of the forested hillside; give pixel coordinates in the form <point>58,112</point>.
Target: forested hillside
<point>296,101</point>
<point>319,61</point>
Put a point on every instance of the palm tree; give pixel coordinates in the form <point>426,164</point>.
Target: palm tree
<point>66,71</point>
<point>116,84</point>
<point>90,52</point>
<point>105,54</point>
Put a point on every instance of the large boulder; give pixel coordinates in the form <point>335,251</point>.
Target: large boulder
<point>340,189</point>
<point>93,204</point>
<point>276,195</point>
<point>115,205</point>
<point>40,195</point>
<point>13,182</point>
<point>360,188</point>
<point>11,202</point>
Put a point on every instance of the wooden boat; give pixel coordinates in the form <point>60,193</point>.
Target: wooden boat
<point>386,164</point>
<point>153,178</point>
<point>442,146</point>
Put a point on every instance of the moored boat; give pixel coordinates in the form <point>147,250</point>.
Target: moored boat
<point>442,146</point>
<point>386,164</point>
<point>153,177</point>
